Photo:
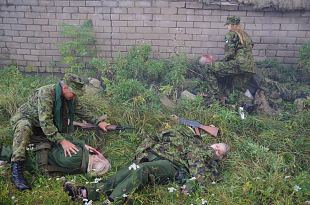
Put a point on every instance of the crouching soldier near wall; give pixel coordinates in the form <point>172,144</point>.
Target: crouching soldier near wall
<point>48,111</point>
<point>50,159</point>
<point>174,155</point>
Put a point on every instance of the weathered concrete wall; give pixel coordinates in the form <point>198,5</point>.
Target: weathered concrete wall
<point>29,29</point>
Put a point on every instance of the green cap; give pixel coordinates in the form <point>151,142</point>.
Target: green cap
<point>74,82</point>
<point>233,20</point>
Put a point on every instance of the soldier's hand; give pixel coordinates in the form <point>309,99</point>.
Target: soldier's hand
<point>103,126</point>
<point>68,147</point>
<point>92,150</point>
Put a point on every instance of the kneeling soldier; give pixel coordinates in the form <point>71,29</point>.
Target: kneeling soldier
<point>48,111</point>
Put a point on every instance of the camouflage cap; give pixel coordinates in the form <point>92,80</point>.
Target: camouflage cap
<point>75,83</point>
<point>233,20</point>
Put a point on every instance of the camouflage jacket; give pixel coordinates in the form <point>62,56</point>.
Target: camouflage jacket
<point>184,149</point>
<point>39,111</point>
<point>242,53</point>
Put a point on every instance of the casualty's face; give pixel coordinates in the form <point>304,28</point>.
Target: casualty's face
<point>220,149</point>
<point>67,92</point>
<point>99,165</point>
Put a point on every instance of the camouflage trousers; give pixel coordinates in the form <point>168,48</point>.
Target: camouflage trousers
<point>230,75</point>
<point>127,181</point>
<point>24,133</point>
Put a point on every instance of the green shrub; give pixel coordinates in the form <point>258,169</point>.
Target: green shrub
<point>79,44</point>
<point>137,65</point>
<point>304,56</point>
<point>176,72</point>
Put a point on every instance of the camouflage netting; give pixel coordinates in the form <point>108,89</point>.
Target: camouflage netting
<point>282,5</point>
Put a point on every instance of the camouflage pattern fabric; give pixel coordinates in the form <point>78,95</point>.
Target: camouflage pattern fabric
<point>37,112</point>
<point>235,71</point>
<point>233,20</point>
<point>75,83</point>
<point>183,149</point>
<point>160,160</point>
<point>208,82</point>
<point>276,92</point>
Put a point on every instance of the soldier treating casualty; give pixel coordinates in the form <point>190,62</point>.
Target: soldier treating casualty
<point>237,67</point>
<point>47,112</point>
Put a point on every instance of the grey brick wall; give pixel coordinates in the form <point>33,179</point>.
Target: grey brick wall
<point>29,29</point>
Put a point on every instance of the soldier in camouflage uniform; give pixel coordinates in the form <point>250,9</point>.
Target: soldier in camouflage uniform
<point>48,111</point>
<point>174,155</point>
<point>237,67</point>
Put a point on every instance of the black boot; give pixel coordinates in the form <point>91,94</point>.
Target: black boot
<point>76,192</point>
<point>18,177</point>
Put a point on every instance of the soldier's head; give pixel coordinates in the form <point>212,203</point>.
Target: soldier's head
<point>97,165</point>
<point>232,22</point>
<point>71,86</point>
<point>220,149</point>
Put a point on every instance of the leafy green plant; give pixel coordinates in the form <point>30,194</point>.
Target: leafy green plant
<point>303,70</point>
<point>176,72</point>
<point>304,55</point>
<point>79,43</point>
<point>137,65</point>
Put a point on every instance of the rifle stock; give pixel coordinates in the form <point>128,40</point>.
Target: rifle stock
<point>210,130</point>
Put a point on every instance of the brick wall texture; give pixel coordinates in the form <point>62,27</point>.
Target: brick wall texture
<point>29,29</point>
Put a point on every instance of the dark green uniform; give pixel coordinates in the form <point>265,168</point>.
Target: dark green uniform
<point>56,160</point>
<point>174,155</point>
<point>37,115</point>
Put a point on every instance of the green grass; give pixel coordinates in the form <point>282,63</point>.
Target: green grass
<point>268,163</point>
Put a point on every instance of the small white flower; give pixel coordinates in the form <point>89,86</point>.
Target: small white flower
<point>241,113</point>
<point>192,179</point>
<point>57,179</point>
<point>213,182</point>
<point>49,179</point>
<point>171,189</point>
<point>86,182</point>
<point>212,194</point>
<point>124,195</point>
<point>13,197</point>
<point>183,187</point>
<point>89,203</point>
<point>97,190</point>
<point>296,188</point>
<point>286,177</point>
<point>204,201</point>
<point>96,181</point>
<point>133,166</point>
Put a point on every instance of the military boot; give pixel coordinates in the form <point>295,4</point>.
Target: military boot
<point>75,192</point>
<point>18,177</point>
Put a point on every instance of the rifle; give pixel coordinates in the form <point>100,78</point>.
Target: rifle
<point>196,125</point>
<point>86,125</point>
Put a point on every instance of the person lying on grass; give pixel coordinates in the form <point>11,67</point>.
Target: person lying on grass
<point>51,160</point>
<point>175,155</point>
